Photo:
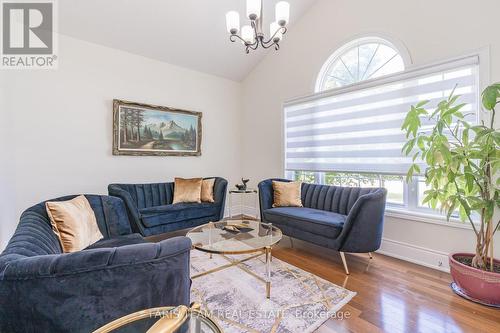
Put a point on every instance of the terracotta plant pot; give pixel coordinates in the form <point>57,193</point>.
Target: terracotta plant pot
<point>475,284</point>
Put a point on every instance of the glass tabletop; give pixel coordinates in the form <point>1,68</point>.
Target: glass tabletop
<point>163,319</point>
<point>249,190</point>
<point>234,236</point>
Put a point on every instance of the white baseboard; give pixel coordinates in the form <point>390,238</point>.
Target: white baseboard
<point>415,254</point>
<point>408,252</point>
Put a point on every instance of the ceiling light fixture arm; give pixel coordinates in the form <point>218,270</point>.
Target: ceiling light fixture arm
<point>277,28</point>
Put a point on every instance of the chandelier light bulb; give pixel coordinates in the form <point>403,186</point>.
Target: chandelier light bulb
<point>247,34</point>
<point>233,22</point>
<point>253,9</point>
<point>282,13</point>
<point>275,30</point>
<point>252,35</point>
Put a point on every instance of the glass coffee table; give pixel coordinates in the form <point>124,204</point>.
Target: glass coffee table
<point>232,237</point>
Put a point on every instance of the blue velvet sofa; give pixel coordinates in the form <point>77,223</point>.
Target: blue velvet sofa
<point>345,219</point>
<point>151,210</point>
<point>45,290</point>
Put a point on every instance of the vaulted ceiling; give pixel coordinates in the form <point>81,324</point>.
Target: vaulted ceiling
<point>187,33</point>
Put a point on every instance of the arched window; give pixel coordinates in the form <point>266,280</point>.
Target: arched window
<point>361,59</point>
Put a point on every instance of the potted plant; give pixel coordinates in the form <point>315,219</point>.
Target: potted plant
<point>462,163</point>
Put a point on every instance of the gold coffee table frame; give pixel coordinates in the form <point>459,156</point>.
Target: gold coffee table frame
<point>171,320</point>
<point>213,239</point>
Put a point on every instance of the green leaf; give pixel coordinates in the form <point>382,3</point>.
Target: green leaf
<point>451,209</point>
<point>453,110</point>
<point>416,167</point>
<point>465,136</point>
<point>421,103</point>
<point>409,174</point>
<point>469,178</point>
<point>490,96</point>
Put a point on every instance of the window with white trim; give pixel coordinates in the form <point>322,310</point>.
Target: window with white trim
<point>362,59</point>
<point>351,135</point>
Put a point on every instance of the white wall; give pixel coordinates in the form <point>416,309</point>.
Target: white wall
<point>431,31</point>
<point>60,126</point>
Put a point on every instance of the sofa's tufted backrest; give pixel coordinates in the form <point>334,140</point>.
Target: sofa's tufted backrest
<point>159,194</point>
<point>34,235</point>
<point>149,195</point>
<point>335,199</point>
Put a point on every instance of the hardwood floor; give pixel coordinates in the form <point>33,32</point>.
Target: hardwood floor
<point>392,295</point>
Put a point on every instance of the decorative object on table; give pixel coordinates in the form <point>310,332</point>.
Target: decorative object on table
<point>253,35</point>
<point>165,320</point>
<point>237,228</point>
<point>233,293</point>
<point>231,228</point>
<point>242,194</point>
<point>151,130</point>
<point>242,187</point>
<point>461,163</point>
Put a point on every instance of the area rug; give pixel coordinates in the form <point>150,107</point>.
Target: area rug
<point>236,296</point>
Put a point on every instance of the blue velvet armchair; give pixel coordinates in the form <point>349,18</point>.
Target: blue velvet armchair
<point>151,211</point>
<point>45,290</point>
<point>345,219</point>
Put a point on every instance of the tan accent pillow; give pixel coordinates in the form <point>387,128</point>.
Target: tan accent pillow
<point>74,223</point>
<point>287,194</point>
<point>187,190</point>
<point>207,190</point>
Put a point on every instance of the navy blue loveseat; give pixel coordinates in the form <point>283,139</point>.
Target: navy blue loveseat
<point>345,219</point>
<point>45,290</point>
<point>151,210</point>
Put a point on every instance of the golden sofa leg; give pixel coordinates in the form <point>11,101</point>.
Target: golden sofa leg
<point>342,255</point>
<point>370,255</point>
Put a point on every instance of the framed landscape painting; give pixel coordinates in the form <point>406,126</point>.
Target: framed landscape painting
<point>151,130</point>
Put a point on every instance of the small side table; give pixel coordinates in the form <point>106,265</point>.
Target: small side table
<point>243,193</point>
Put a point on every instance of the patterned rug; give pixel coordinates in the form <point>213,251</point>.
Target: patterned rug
<point>236,296</point>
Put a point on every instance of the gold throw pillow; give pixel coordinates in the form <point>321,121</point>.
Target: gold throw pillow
<point>287,194</point>
<point>74,223</point>
<point>207,190</point>
<point>187,190</point>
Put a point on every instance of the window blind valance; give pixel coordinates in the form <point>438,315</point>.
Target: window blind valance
<point>358,128</point>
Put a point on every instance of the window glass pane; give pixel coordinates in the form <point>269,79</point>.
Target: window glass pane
<point>304,176</point>
<point>366,59</point>
<point>395,186</point>
<point>333,178</point>
<point>369,180</point>
<point>422,187</point>
<point>350,179</point>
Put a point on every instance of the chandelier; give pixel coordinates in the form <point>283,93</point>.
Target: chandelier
<point>252,35</point>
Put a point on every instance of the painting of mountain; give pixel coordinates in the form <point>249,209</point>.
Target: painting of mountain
<point>142,129</point>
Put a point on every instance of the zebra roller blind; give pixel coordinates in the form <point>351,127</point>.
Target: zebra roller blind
<point>358,128</point>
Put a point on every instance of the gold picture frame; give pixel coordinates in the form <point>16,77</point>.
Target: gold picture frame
<point>151,130</point>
